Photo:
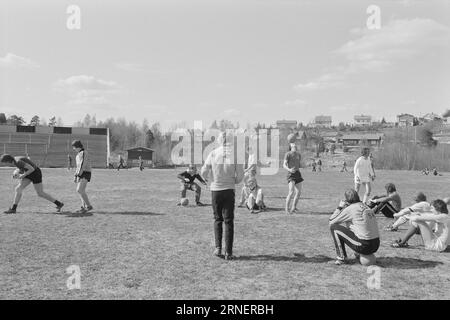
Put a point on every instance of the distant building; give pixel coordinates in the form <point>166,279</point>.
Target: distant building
<point>362,120</point>
<point>286,124</point>
<point>322,122</point>
<point>405,120</point>
<point>431,117</point>
<point>355,140</point>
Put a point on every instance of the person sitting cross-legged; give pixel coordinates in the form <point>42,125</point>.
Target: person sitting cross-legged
<point>187,183</point>
<point>421,223</point>
<point>354,224</point>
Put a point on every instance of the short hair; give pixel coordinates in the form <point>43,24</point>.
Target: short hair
<point>192,167</point>
<point>365,150</point>
<point>77,144</point>
<point>420,197</point>
<point>7,158</point>
<point>440,206</point>
<point>351,196</point>
<point>225,137</point>
<point>390,187</point>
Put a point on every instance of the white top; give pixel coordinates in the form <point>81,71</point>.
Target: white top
<point>441,233</point>
<point>363,170</point>
<point>222,169</point>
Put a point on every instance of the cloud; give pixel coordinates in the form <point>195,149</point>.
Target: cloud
<point>13,61</point>
<point>87,90</point>
<point>379,50</point>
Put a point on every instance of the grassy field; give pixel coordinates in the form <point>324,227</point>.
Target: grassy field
<point>138,244</point>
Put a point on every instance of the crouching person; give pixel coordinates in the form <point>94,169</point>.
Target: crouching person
<point>354,224</point>
<point>187,183</point>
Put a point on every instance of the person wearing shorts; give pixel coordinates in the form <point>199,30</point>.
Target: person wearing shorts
<point>364,173</point>
<point>291,163</point>
<point>30,174</point>
<point>83,175</point>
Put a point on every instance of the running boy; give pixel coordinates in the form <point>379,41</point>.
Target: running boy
<point>291,163</point>
<point>30,173</point>
<point>364,173</point>
<point>83,175</point>
<point>187,183</point>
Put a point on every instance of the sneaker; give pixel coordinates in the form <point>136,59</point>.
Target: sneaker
<point>391,228</point>
<point>340,261</point>
<point>229,256</point>
<point>357,256</point>
<point>10,211</point>
<point>58,208</point>
<point>178,204</point>
<point>398,244</point>
<point>82,210</point>
<point>295,210</point>
<point>89,208</point>
<point>218,252</point>
<point>199,204</point>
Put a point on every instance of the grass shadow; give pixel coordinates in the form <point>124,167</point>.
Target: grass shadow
<point>77,215</point>
<point>406,263</point>
<point>296,258</point>
<point>131,213</point>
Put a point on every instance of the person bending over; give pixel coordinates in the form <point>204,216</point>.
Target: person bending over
<point>30,173</point>
<point>187,183</point>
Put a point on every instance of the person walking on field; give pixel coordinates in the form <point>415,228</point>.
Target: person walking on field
<point>82,175</point>
<point>291,163</point>
<point>224,173</point>
<point>364,173</point>
<point>121,165</point>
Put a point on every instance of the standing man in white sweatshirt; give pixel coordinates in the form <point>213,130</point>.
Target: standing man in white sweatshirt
<point>225,172</point>
<point>364,173</point>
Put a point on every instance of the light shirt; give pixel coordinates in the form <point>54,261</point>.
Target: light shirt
<point>361,219</point>
<point>83,164</point>
<point>363,169</point>
<point>221,166</point>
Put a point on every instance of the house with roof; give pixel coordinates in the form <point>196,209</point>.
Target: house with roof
<point>405,120</point>
<point>362,139</point>
<point>321,122</point>
<point>362,120</point>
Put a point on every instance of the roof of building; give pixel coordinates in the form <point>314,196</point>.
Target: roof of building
<point>322,119</point>
<point>366,136</point>
<point>141,149</point>
<point>362,117</point>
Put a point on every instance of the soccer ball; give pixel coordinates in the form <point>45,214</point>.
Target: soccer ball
<point>447,200</point>
<point>184,202</point>
<point>367,260</point>
<point>291,138</point>
<point>16,174</point>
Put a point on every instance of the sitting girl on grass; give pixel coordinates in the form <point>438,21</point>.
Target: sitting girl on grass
<point>434,241</point>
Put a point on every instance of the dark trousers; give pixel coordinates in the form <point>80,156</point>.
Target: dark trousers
<point>223,208</point>
<point>344,236</point>
<point>386,209</point>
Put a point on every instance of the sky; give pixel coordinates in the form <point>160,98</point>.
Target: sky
<point>249,61</point>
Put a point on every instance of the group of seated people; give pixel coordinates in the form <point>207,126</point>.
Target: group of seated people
<point>426,172</point>
<point>354,223</point>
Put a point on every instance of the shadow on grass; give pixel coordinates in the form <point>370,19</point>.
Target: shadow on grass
<point>77,215</point>
<point>130,213</point>
<point>406,263</point>
<point>296,258</point>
